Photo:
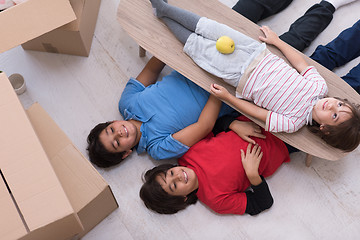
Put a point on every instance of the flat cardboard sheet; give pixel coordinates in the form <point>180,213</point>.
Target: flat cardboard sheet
<point>31,19</point>
<point>152,34</point>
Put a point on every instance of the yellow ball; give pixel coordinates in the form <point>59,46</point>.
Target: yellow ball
<point>225,45</point>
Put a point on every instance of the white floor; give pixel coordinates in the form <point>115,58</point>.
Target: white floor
<point>320,202</point>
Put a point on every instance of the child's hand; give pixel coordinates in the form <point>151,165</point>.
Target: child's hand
<point>246,129</point>
<point>219,91</point>
<point>270,36</point>
<point>251,161</point>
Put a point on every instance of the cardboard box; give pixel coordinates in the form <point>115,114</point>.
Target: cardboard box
<point>15,227</point>
<point>74,38</point>
<point>31,19</point>
<point>89,194</point>
<point>58,193</point>
<point>34,194</point>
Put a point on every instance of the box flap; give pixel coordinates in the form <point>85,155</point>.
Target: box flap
<point>78,7</point>
<point>31,19</point>
<point>27,170</point>
<point>11,225</point>
<point>69,164</point>
<point>89,194</point>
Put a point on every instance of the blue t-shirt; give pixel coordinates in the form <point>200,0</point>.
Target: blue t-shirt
<point>164,108</point>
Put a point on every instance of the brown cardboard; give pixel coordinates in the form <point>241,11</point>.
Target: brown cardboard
<point>89,194</point>
<point>15,227</point>
<point>35,188</point>
<point>31,19</point>
<point>74,38</point>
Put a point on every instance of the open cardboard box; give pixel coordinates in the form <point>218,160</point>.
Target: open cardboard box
<point>31,19</point>
<point>35,194</point>
<point>48,189</point>
<point>88,193</point>
<point>59,26</point>
<point>73,38</point>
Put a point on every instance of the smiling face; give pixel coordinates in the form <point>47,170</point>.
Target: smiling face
<point>178,181</point>
<point>119,136</point>
<point>331,111</point>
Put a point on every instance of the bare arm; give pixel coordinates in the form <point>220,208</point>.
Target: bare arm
<point>244,106</point>
<point>151,72</point>
<point>243,129</point>
<point>294,57</point>
<point>246,129</point>
<point>197,131</point>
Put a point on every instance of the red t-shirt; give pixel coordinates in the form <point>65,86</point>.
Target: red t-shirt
<point>222,179</point>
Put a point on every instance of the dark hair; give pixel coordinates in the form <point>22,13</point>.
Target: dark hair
<point>155,197</point>
<point>346,135</point>
<point>97,152</point>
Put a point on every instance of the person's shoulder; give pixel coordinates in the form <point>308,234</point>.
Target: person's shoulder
<point>309,70</point>
<point>130,92</point>
<point>133,86</point>
<point>133,82</point>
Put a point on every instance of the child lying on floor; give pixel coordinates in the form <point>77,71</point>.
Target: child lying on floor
<point>285,98</point>
<point>218,171</point>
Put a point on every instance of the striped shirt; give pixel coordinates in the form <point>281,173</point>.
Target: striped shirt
<point>288,95</point>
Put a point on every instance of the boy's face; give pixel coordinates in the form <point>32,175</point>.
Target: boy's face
<point>119,136</point>
<point>331,111</point>
<point>178,181</point>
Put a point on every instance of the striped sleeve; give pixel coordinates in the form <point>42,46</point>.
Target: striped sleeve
<point>276,122</point>
<point>312,75</point>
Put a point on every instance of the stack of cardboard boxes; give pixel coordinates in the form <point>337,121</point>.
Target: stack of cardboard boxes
<point>48,189</point>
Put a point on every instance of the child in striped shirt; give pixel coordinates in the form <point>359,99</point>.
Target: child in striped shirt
<point>285,98</point>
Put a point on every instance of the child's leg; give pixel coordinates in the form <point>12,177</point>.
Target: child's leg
<point>353,78</point>
<point>212,30</point>
<point>183,17</point>
<point>339,3</point>
<point>258,10</point>
<point>341,50</point>
<point>209,29</point>
<point>306,28</point>
<point>180,32</point>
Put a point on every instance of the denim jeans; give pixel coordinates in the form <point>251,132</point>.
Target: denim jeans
<point>303,31</point>
<point>340,51</point>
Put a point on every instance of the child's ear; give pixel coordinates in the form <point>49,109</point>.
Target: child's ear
<point>127,153</point>
<point>322,128</point>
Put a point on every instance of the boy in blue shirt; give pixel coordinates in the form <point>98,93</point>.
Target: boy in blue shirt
<point>164,118</point>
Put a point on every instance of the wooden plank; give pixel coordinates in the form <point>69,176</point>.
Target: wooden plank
<point>137,19</point>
